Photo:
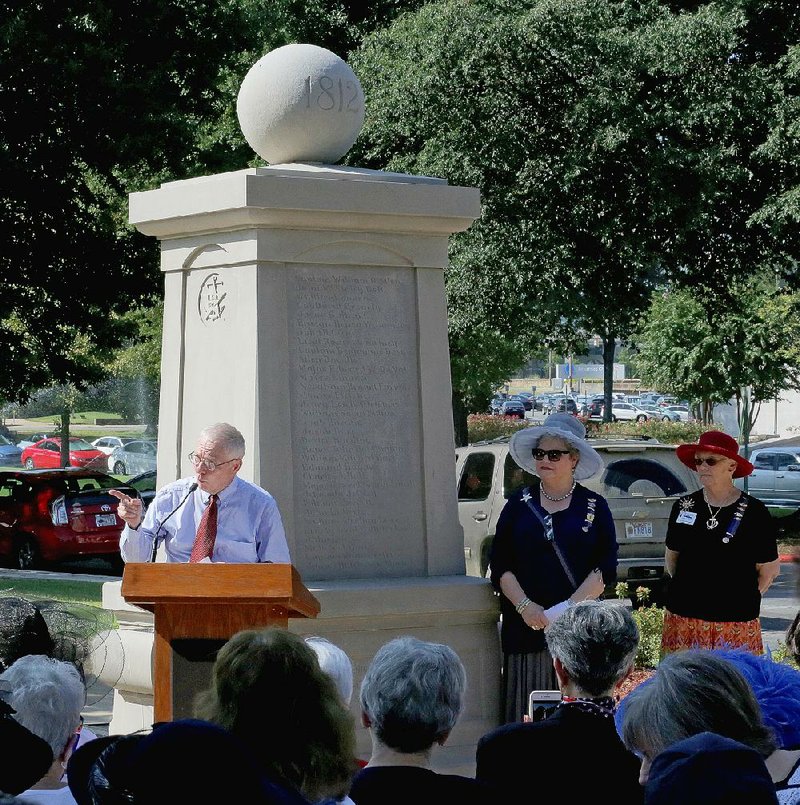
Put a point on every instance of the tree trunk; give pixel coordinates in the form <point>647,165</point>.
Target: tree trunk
<point>65,438</point>
<point>609,343</point>
<point>460,431</point>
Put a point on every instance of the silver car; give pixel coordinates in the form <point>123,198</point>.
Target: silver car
<point>776,476</point>
<point>133,458</point>
<point>641,480</point>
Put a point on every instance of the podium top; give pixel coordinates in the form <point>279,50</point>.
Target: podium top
<point>147,584</point>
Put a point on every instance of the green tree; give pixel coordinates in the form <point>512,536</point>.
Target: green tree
<point>611,142</point>
<point>696,348</point>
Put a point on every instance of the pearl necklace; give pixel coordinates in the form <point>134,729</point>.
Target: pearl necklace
<point>559,499</point>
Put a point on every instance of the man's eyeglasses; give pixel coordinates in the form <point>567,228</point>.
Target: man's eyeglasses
<point>207,464</point>
<point>710,461</point>
<point>552,455</point>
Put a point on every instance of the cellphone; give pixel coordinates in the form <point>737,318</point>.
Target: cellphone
<point>541,703</point>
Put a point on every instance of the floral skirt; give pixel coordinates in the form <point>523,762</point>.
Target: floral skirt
<point>680,633</point>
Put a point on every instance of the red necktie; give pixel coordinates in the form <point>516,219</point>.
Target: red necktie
<point>206,532</point>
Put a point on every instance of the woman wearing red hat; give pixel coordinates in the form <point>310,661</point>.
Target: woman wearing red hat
<point>721,553</point>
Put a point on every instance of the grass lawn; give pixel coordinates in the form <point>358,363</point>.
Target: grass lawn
<point>76,592</point>
<point>85,417</point>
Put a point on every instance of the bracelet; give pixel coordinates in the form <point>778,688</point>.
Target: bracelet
<point>522,605</point>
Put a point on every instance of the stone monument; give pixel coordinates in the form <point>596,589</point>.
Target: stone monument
<point>305,303</point>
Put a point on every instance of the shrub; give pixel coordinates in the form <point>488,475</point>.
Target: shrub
<point>666,432</point>
<point>482,427</point>
<point>650,620</point>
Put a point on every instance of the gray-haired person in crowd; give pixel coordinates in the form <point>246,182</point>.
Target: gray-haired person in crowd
<point>695,691</point>
<point>411,698</point>
<point>593,645</point>
<point>214,516</point>
<point>336,664</point>
<point>47,696</point>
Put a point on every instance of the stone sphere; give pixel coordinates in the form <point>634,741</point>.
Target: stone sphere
<point>300,103</point>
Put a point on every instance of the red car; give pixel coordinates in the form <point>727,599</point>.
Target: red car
<point>47,453</point>
<point>49,515</point>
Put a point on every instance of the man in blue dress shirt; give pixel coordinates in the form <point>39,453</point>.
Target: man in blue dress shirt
<point>247,524</point>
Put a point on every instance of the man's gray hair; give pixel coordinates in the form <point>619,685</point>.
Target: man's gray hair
<point>693,691</point>
<point>336,664</point>
<point>229,438</point>
<point>48,696</point>
<point>413,693</point>
<point>596,642</point>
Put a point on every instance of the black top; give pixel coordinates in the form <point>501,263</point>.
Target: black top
<point>410,785</point>
<point>715,580</point>
<point>585,535</point>
<point>577,751</point>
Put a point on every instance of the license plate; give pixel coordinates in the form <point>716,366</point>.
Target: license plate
<point>102,520</point>
<point>639,530</point>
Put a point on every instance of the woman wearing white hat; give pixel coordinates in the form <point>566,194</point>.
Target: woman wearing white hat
<point>555,545</point>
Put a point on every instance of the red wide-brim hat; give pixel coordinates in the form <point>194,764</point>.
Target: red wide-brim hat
<point>715,441</point>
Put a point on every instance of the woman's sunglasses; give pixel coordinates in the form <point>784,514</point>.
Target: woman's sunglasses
<point>710,461</point>
<point>552,455</point>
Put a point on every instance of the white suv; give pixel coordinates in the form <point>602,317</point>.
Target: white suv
<point>641,480</point>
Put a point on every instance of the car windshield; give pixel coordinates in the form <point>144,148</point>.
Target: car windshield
<point>3,440</point>
<point>80,444</point>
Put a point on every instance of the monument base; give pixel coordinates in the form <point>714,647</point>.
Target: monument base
<point>359,616</point>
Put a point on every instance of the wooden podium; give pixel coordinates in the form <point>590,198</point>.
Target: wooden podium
<point>197,607</point>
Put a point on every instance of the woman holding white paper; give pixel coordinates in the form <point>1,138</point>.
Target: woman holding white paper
<point>555,545</point>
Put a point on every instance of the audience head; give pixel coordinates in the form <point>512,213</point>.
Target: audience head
<point>413,694</point>
<point>595,643</point>
<point>708,769</point>
<point>187,760</point>
<point>268,689</point>
<point>692,691</point>
<point>26,758</point>
<point>48,696</point>
<point>336,664</point>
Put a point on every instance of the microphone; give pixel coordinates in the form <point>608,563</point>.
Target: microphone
<point>161,524</point>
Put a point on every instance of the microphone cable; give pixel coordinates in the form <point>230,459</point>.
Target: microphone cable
<point>161,524</point>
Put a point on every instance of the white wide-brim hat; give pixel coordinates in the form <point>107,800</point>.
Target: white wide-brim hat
<point>561,426</point>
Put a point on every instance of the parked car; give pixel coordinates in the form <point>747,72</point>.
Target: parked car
<point>566,405</point>
<point>133,458</point>
<point>496,402</point>
<point>683,412</point>
<point>776,476</point>
<point>665,414</point>
<point>50,515</point>
<point>641,480</point>
<point>31,440</point>
<point>10,453</point>
<point>625,412</point>
<point>107,444</point>
<point>47,454</point>
<point>513,406</point>
<point>145,485</point>
<point>527,399</point>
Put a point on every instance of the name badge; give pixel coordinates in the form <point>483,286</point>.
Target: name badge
<point>687,517</point>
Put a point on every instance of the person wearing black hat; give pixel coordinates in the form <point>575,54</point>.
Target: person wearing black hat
<point>25,757</point>
<point>709,769</point>
<point>721,553</point>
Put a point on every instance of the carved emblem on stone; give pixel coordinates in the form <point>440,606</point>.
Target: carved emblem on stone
<point>211,299</point>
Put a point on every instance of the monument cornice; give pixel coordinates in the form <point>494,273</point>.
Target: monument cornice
<point>305,197</point>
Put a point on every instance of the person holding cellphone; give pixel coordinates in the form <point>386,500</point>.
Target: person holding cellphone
<point>593,646</point>
<point>554,546</point>
<point>721,554</point>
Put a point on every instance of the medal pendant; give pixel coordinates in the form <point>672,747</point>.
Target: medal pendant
<point>711,523</point>
<point>726,539</point>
